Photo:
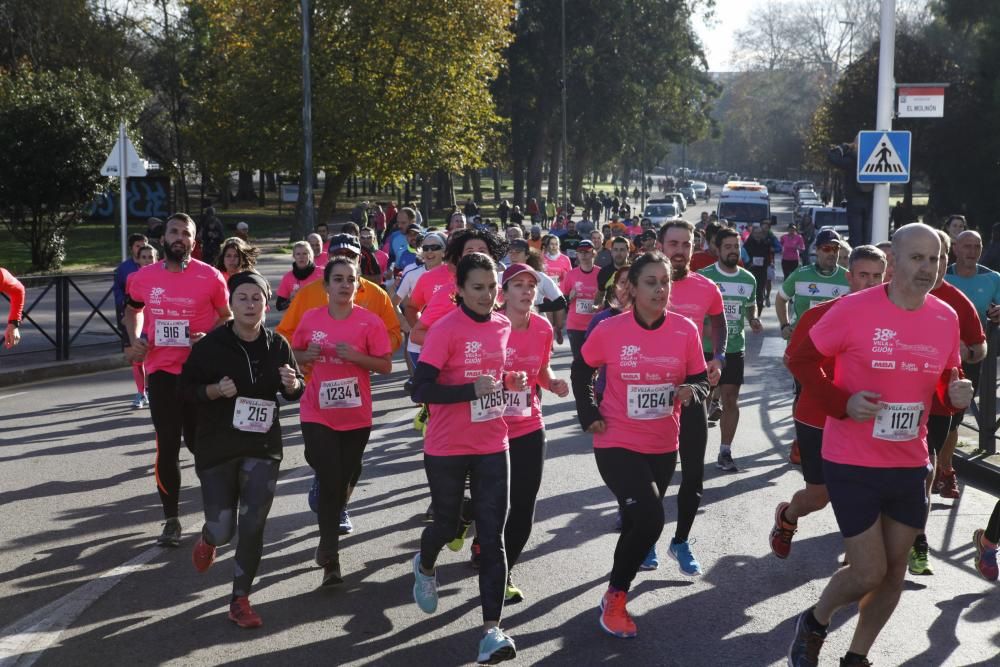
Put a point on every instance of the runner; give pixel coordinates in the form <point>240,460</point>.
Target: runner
<point>528,350</point>
<point>867,269</point>
<point>304,271</point>
<point>761,252</point>
<point>985,544</point>
<point>579,286</point>
<point>654,365</point>
<point>236,256</point>
<point>556,263</point>
<point>699,299</point>
<point>943,423</point>
<point>14,290</point>
<point>431,255</point>
<point>174,304</point>
<point>135,243</point>
<point>548,298</point>
<point>342,344</point>
<point>620,248</point>
<point>234,375</point>
<point>893,348</point>
<point>461,377</point>
<point>739,288</point>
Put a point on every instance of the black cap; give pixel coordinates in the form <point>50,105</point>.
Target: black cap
<point>518,244</point>
<point>345,242</point>
<point>826,236</point>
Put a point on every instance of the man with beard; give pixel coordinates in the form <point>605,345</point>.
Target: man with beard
<point>738,287</point>
<point>173,303</point>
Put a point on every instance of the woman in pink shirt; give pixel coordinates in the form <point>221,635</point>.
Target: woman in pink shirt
<point>341,345</point>
<point>304,271</point>
<point>654,365</point>
<point>556,263</point>
<point>460,376</point>
<point>792,244</point>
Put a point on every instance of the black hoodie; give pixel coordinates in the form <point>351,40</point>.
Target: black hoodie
<point>220,354</point>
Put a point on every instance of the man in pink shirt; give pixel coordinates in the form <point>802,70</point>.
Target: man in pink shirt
<point>579,286</point>
<point>894,347</point>
<point>174,303</point>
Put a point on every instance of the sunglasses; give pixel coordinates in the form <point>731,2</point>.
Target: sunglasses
<point>431,248</point>
<point>830,247</point>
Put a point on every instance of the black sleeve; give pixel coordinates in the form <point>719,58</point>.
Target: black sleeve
<point>427,390</point>
<point>581,377</point>
<point>552,305</point>
<point>281,303</point>
<point>699,384</point>
<point>286,357</point>
<point>196,373</point>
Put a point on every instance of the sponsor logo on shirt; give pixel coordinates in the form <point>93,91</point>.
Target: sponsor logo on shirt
<point>933,369</point>
<point>883,364</point>
<point>629,355</point>
<point>813,288</point>
<point>156,294</point>
<point>653,377</point>
<point>910,368</point>
<point>473,352</point>
<point>318,337</point>
<point>471,374</point>
<point>920,350</point>
<point>883,341</point>
<point>156,311</point>
<point>631,377</point>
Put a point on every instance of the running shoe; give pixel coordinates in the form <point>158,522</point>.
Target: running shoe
<point>242,614</point>
<point>203,555</point>
<point>474,553</point>
<point>614,617</point>
<point>863,662</point>
<point>495,647</point>
<point>137,401</point>
<point>331,573</point>
<point>314,495</point>
<point>145,400</point>
<point>425,591</point>
<point>767,302</point>
<point>651,562</point>
<point>681,552</point>
<point>917,562</point>
<point>804,650</point>
<point>986,559</point>
<point>936,484</point>
<point>781,533</point>
<point>949,485</point>
<point>171,535</point>
<point>512,593</point>
<point>714,411</point>
<point>726,463</point>
<point>459,541</point>
<point>346,527</point>
<point>420,420</point>
<point>794,456</point>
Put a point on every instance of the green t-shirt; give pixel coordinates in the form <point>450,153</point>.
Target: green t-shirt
<point>738,299</point>
<point>807,287</point>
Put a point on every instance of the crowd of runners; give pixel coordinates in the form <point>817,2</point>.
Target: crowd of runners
<point>883,353</point>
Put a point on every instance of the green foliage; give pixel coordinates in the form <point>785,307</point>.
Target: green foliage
<point>57,129</point>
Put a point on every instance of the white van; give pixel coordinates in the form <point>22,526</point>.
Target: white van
<point>744,203</point>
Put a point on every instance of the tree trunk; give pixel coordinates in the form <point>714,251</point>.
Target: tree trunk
<point>477,186</point>
<point>225,191</point>
<point>576,176</point>
<point>466,181</point>
<point>272,185</point>
<point>426,196</point>
<point>496,184</point>
<point>260,187</point>
<point>535,160</point>
<point>244,188</point>
<point>555,160</point>
<point>335,179</point>
<point>518,183</point>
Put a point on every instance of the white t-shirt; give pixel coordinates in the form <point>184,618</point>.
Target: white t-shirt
<point>406,283</point>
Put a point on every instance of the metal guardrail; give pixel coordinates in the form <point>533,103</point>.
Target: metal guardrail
<point>65,332</point>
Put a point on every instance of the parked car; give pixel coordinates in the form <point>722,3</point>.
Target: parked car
<point>689,196</point>
<point>660,211</point>
<point>699,187</point>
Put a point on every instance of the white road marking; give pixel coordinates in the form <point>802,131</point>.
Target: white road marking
<point>772,346</point>
<point>20,393</point>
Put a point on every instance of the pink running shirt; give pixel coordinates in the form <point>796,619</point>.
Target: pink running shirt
<point>695,297</point>
<point>581,309</point>
<point>897,353</point>
<point>462,349</point>
<point>290,284</point>
<point>556,268</point>
<point>643,370</point>
<point>429,284</point>
<point>528,350</point>
<point>182,303</point>
<point>338,394</point>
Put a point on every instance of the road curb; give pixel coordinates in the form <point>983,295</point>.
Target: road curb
<point>58,369</point>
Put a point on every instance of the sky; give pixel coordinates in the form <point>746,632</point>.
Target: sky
<point>730,16</point>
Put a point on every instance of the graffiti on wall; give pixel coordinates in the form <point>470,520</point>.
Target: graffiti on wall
<point>146,197</point>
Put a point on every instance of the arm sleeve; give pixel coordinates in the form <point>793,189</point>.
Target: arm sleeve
<point>720,335</point>
<point>805,363</point>
<point>13,288</point>
<point>427,390</point>
<point>699,385</point>
<point>582,379</point>
<point>118,287</point>
<point>195,375</point>
<point>552,305</point>
<point>285,356</point>
<point>281,303</point>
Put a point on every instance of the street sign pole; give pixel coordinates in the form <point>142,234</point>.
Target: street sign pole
<point>883,115</point>
<point>122,180</point>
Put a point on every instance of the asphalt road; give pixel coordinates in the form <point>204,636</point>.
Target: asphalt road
<point>81,583</point>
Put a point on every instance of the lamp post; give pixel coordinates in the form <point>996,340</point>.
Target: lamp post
<point>306,212</point>
<point>565,144</point>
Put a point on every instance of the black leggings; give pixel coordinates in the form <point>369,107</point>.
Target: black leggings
<point>576,339</point>
<point>760,273</point>
<point>993,527</point>
<point>172,417</point>
<point>242,487</point>
<point>489,482</point>
<point>527,458</point>
<point>788,265</point>
<point>639,481</point>
<point>693,441</point>
<point>336,458</point>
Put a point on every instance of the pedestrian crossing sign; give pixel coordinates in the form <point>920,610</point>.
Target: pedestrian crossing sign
<point>883,157</point>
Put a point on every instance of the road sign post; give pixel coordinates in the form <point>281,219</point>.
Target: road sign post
<point>883,115</point>
<point>123,161</point>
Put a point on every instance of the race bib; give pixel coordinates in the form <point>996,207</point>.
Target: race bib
<point>650,401</point>
<point>488,407</point>
<point>732,310</point>
<point>342,393</point>
<point>518,404</point>
<point>254,415</point>
<point>898,422</point>
<point>172,333</point>
<point>584,306</point>
<point>758,261</point>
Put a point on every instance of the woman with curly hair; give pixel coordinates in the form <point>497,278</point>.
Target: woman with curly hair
<point>236,256</point>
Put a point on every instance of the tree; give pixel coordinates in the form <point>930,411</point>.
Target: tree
<point>57,128</point>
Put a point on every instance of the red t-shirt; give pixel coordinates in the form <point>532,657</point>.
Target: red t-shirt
<point>462,349</point>
<point>695,297</point>
<point>528,350</point>
<point>970,328</point>
<point>177,305</point>
<point>643,369</point>
<point>810,407</point>
<point>701,259</point>
<point>338,394</point>
<point>581,309</point>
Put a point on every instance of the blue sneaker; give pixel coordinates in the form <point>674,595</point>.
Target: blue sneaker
<point>682,554</point>
<point>651,562</point>
<point>314,495</point>
<point>425,589</point>
<point>346,527</point>
<point>495,647</point>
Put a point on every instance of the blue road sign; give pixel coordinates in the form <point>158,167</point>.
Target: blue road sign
<point>883,157</point>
